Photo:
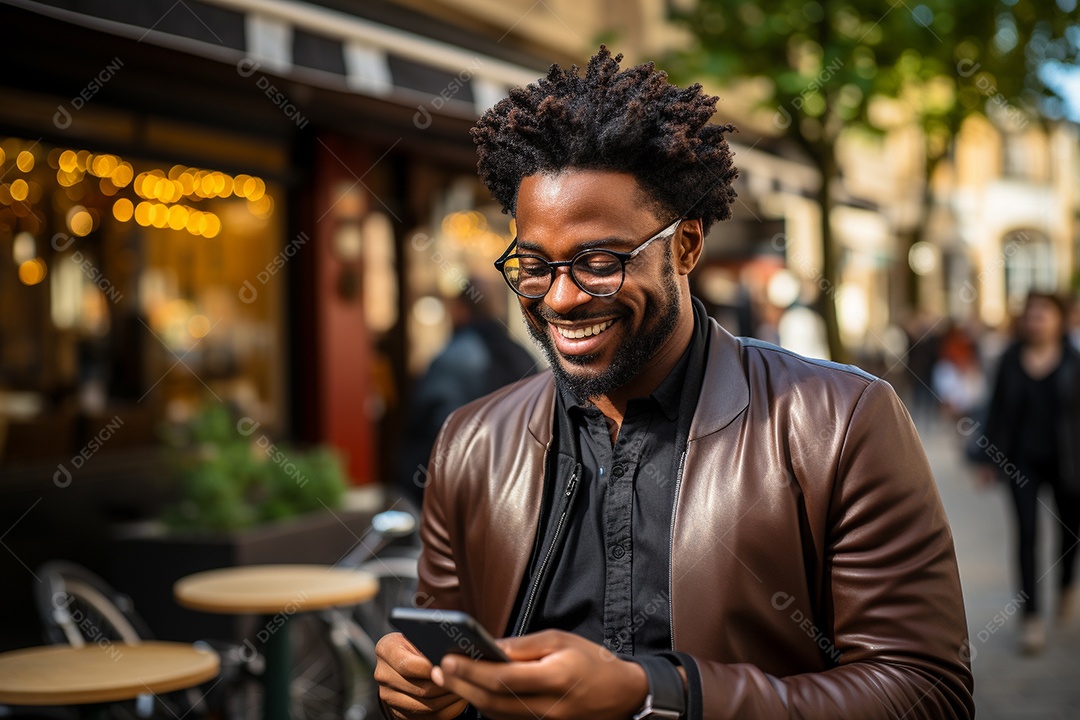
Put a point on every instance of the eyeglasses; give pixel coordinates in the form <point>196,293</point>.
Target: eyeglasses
<point>600,273</point>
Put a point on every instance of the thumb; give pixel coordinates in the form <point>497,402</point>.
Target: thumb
<point>535,645</point>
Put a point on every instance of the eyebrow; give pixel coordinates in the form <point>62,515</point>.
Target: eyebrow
<point>608,243</point>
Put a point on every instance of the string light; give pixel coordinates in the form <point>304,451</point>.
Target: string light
<point>159,193</point>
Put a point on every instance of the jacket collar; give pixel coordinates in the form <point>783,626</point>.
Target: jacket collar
<point>725,391</point>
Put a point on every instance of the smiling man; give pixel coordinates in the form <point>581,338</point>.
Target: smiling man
<point>672,522</point>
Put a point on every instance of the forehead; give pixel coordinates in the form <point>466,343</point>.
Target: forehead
<point>557,212</point>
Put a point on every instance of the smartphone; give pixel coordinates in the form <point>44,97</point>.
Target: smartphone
<point>438,632</point>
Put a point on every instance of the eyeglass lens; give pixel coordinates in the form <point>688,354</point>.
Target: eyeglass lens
<point>597,272</point>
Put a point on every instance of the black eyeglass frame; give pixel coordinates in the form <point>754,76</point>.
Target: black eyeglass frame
<point>622,257</point>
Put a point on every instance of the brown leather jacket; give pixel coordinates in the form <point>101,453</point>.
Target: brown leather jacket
<point>812,566</point>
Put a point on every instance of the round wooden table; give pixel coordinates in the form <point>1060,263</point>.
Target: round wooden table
<point>274,589</point>
<point>65,675</point>
<point>278,591</point>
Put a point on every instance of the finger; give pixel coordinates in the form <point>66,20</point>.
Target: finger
<point>535,645</point>
<point>407,705</point>
<point>403,657</point>
<point>513,677</point>
<point>386,675</point>
<point>506,705</point>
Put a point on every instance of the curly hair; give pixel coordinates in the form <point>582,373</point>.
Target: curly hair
<point>631,121</point>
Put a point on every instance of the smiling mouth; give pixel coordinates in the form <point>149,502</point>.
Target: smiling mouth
<point>578,333</point>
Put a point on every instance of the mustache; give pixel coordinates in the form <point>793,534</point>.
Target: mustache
<point>543,312</point>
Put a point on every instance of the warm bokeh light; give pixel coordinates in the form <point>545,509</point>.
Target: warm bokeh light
<point>122,175</point>
<point>25,161</point>
<point>123,210</point>
<point>178,215</point>
<point>199,326</point>
<point>81,222</point>
<point>160,190</point>
<point>32,271</point>
<point>104,165</point>
<point>23,248</point>
<point>261,208</point>
<point>213,225</point>
<point>19,190</point>
<point>68,161</point>
<point>142,214</point>
<point>159,215</point>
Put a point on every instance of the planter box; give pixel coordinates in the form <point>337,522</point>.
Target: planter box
<point>148,560</point>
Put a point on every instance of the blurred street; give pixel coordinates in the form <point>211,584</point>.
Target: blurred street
<point>1008,685</point>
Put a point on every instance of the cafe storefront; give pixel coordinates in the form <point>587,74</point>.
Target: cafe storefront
<point>203,203</point>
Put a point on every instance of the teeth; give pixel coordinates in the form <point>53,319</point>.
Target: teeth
<point>584,332</point>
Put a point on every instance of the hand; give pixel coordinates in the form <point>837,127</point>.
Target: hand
<point>405,687</point>
<point>553,675</point>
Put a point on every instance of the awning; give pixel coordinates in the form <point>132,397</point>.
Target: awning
<point>308,44</point>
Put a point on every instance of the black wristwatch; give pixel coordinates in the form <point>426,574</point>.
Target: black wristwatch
<point>667,696</point>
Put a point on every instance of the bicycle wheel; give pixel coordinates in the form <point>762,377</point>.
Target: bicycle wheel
<point>397,588</point>
<point>325,676</point>
<point>77,608</point>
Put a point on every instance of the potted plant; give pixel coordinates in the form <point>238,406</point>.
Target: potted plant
<point>234,477</point>
<point>243,500</point>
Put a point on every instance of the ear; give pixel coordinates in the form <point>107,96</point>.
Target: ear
<point>689,243</point>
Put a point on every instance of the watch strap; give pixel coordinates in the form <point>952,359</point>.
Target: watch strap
<point>667,694</point>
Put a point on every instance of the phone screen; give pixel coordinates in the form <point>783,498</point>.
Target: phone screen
<point>438,632</point>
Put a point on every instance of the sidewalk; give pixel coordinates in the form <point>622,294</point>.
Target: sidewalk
<point>1008,686</point>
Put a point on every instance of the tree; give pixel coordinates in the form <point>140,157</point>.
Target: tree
<point>824,64</point>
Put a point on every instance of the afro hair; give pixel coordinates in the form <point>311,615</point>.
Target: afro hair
<point>631,121</point>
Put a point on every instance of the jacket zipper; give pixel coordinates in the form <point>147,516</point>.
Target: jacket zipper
<point>671,551</point>
<point>568,494</point>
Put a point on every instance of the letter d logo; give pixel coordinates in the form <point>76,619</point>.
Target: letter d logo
<point>62,477</point>
<point>782,601</point>
<point>248,293</point>
<point>422,118</point>
<point>62,118</point>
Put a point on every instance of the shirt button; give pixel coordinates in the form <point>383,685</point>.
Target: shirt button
<point>615,643</point>
<point>617,551</point>
<point>618,470</point>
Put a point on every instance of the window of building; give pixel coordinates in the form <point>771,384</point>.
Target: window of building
<point>1029,266</point>
<point>133,290</point>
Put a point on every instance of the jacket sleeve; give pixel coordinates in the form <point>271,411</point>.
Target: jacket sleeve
<point>438,584</point>
<point>893,603</point>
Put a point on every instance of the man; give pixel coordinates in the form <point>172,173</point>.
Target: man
<point>672,522</point>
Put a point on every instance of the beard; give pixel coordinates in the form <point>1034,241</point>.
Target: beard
<point>629,359</point>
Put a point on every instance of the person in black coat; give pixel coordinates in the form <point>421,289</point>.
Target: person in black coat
<point>480,357</point>
<point>1033,439</point>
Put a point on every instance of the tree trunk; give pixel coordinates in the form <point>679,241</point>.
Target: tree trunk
<point>830,269</point>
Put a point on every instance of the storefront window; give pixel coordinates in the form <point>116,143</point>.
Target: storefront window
<point>133,290</point>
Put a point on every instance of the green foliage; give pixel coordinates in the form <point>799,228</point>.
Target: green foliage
<point>235,477</point>
<point>823,61</point>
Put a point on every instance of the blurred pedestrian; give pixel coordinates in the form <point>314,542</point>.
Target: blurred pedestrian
<point>480,358</point>
<point>923,341</point>
<point>1033,428</point>
<point>957,373</point>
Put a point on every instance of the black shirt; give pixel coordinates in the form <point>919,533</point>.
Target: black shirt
<point>1037,423</point>
<point>608,578</point>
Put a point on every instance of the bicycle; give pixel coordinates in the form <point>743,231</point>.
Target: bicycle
<point>333,650</point>
<point>78,608</point>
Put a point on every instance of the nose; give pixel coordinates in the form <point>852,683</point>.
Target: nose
<point>564,294</point>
